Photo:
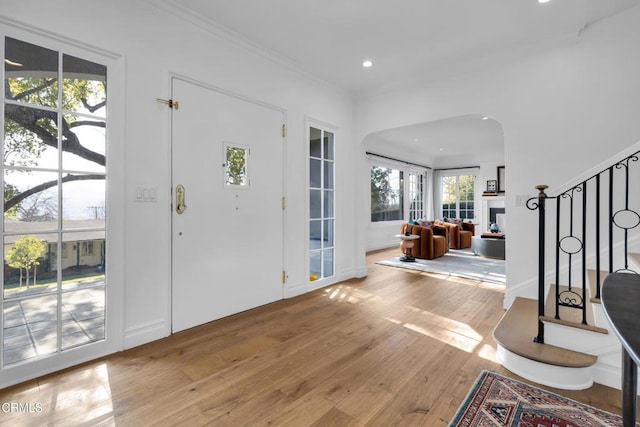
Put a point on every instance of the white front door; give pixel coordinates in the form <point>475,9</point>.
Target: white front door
<point>227,204</point>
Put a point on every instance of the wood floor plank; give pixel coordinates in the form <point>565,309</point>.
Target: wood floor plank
<point>395,348</point>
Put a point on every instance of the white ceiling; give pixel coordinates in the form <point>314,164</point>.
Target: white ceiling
<point>407,40</point>
<point>454,142</point>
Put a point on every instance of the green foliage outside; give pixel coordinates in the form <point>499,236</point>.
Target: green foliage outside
<point>30,130</point>
<point>236,166</point>
<point>458,196</point>
<point>25,255</point>
<point>386,201</point>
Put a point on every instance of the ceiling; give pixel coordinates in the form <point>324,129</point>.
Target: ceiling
<point>455,142</point>
<point>407,40</point>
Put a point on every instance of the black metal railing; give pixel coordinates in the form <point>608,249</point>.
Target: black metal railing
<point>603,203</point>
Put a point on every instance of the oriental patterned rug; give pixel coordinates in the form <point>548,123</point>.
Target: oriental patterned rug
<point>496,400</point>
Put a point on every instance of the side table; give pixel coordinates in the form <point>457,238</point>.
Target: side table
<point>620,296</point>
<point>406,243</point>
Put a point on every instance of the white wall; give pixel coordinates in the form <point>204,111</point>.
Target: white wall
<point>563,110</point>
<point>155,43</point>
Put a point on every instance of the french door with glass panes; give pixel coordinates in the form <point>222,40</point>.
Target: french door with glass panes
<point>321,204</point>
<point>54,178</point>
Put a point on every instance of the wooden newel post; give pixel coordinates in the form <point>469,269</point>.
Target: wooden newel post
<point>541,246</point>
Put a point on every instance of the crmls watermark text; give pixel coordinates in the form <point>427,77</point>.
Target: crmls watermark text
<point>16,407</point>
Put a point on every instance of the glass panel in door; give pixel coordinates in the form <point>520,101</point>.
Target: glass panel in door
<point>321,204</point>
<point>54,181</point>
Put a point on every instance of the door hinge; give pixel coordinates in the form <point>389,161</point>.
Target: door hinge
<point>170,102</point>
<point>284,131</point>
<point>284,203</point>
<point>284,277</point>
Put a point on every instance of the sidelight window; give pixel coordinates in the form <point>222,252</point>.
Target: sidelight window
<point>54,180</point>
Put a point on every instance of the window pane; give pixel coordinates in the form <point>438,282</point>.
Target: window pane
<point>328,204</point>
<point>83,259</point>
<point>315,203</point>
<point>327,264</point>
<point>315,146</point>
<point>83,201</point>
<point>30,265</point>
<point>82,317</point>
<point>315,265</point>
<point>328,175</point>
<point>31,137</point>
<point>83,144</point>
<point>236,166</point>
<point>31,73</point>
<point>328,146</point>
<point>315,234</point>
<point>386,194</point>
<point>30,328</point>
<point>327,236</point>
<point>315,173</point>
<point>38,210</point>
<point>84,86</point>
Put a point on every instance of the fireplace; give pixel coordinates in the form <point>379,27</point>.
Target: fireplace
<point>498,216</point>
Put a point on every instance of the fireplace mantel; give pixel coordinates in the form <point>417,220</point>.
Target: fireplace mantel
<point>487,204</point>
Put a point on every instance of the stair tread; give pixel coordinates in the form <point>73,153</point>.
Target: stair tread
<point>569,316</point>
<point>519,326</point>
<point>577,325</point>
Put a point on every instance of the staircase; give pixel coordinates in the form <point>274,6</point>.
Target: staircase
<point>586,232</point>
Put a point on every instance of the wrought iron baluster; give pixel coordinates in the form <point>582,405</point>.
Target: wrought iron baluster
<point>557,295</point>
<point>598,284</point>
<point>611,220</point>
<point>584,253</point>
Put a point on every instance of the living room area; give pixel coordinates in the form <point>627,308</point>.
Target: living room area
<point>451,202</point>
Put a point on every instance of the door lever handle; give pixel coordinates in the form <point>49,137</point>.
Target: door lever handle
<point>180,206</point>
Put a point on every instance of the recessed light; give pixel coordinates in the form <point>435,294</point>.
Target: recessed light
<point>485,118</point>
<point>442,149</point>
<point>544,1</point>
<point>367,64</point>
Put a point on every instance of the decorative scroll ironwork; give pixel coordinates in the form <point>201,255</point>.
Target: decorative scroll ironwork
<point>575,215</point>
<point>570,299</point>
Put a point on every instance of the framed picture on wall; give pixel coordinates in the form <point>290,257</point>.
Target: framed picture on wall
<point>501,179</point>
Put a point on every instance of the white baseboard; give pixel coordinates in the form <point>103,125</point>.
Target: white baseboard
<point>146,332</point>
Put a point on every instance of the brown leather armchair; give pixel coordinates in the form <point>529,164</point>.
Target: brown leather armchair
<point>459,234</point>
<point>432,242</point>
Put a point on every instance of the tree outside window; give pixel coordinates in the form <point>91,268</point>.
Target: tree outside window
<point>387,194</point>
<point>458,196</point>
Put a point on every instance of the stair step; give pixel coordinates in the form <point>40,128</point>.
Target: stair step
<point>571,324</point>
<point>571,317</point>
<point>518,327</point>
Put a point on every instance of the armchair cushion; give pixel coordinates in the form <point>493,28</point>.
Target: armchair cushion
<point>459,234</point>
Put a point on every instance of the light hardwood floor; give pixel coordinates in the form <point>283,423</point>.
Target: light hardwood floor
<point>395,348</point>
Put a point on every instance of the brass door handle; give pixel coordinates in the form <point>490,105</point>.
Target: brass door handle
<point>180,206</point>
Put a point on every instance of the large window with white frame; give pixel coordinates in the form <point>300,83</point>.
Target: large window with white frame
<point>54,175</point>
<point>416,196</point>
<point>458,195</point>
<point>321,203</point>
<point>397,193</point>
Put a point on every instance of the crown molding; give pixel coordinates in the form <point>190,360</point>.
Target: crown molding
<point>175,9</point>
